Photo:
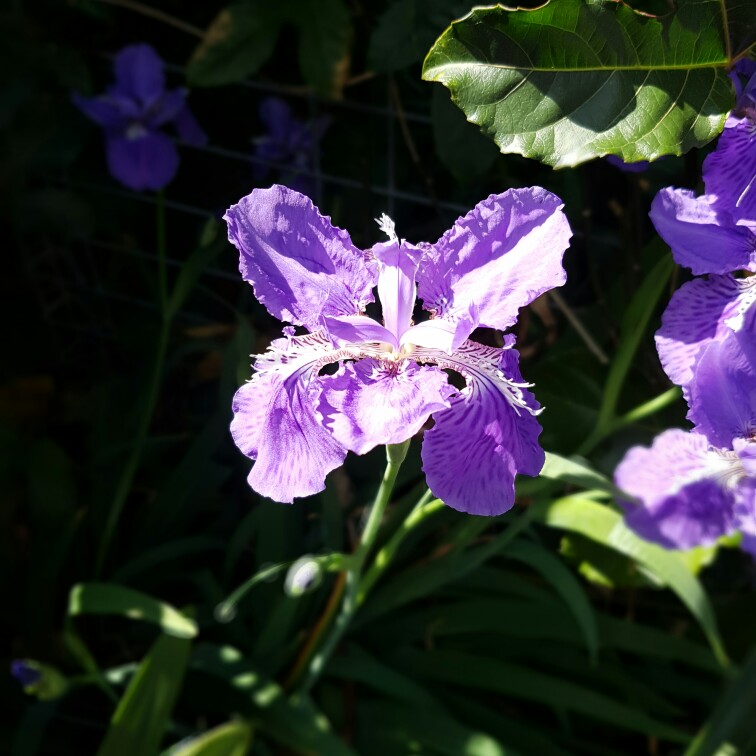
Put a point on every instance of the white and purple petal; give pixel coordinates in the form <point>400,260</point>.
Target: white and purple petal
<point>302,267</point>
<point>722,395</point>
<point>276,421</point>
<point>397,266</point>
<point>358,329</point>
<point>374,402</point>
<point>476,448</point>
<point>701,311</point>
<point>502,255</point>
<point>679,500</point>
<point>149,161</point>
<point>702,237</point>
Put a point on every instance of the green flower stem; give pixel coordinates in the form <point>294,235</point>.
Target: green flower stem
<point>423,509</point>
<point>153,391</point>
<point>320,653</point>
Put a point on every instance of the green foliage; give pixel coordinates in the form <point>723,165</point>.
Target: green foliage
<point>140,719</point>
<point>574,80</point>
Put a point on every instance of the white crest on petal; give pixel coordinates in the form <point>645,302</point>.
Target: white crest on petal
<point>388,227</point>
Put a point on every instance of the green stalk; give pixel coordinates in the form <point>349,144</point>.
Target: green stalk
<point>321,653</point>
<point>132,465</point>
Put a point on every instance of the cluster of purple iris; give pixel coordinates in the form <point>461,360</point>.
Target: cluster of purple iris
<point>134,110</point>
<point>692,487</point>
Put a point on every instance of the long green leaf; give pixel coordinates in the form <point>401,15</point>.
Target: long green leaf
<point>574,80</point>
<point>139,721</point>
<point>732,720</point>
<point>230,739</point>
<point>566,585</point>
<point>108,598</point>
<point>605,526</point>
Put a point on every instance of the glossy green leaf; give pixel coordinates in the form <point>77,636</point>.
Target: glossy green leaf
<point>109,598</point>
<point>138,723</point>
<point>230,739</point>
<point>574,80</point>
<point>576,471</point>
<point>604,525</point>
<point>237,43</point>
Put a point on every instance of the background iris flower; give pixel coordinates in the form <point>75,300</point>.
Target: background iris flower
<point>299,425</point>
<point>132,113</point>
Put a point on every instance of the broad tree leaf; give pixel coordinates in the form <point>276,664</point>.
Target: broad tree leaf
<point>237,43</point>
<point>109,598</point>
<point>139,721</point>
<point>575,80</point>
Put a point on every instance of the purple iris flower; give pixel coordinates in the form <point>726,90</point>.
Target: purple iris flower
<point>693,487</point>
<point>26,672</point>
<point>289,143</point>
<point>298,424</point>
<point>132,112</point>
<point>637,167</point>
<point>713,234</point>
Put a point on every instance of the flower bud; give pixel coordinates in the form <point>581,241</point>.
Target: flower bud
<point>39,680</point>
<point>303,576</point>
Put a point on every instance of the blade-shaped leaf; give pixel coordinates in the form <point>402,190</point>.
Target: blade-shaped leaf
<point>139,721</point>
<point>574,80</point>
<point>602,524</point>
<point>230,739</point>
<point>109,598</point>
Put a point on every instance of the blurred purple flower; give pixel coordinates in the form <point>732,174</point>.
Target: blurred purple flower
<point>298,424</point>
<point>25,671</point>
<point>636,167</point>
<point>690,488</point>
<point>289,144</point>
<point>132,112</point>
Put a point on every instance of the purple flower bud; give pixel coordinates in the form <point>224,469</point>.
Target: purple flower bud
<point>26,672</point>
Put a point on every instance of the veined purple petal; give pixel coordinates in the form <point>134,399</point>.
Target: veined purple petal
<point>397,265</point>
<point>475,449</point>
<point>700,311</point>
<point>722,396</point>
<point>745,510</point>
<point>745,448</point>
<point>729,173</point>
<point>374,402</point>
<point>502,255</point>
<point>680,502</point>
<point>276,421</point>
<point>301,267</point>
<point>139,73</point>
<point>701,237</point>
<point>358,329</point>
<point>149,161</point>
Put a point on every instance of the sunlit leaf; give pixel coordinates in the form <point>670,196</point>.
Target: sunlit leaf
<point>575,80</point>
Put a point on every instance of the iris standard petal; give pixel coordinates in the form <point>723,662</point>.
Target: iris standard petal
<point>374,402</point>
<point>722,395</point>
<point>700,311</point>
<point>149,161</point>
<point>680,501</point>
<point>446,334</point>
<point>276,421</point>
<point>701,237</point>
<point>729,172</point>
<point>475,449</point>
<point>301,267</point>
<point>502,255</point>
<point>188,128</point>
<point>139,73</point>
<point>397,265</point>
